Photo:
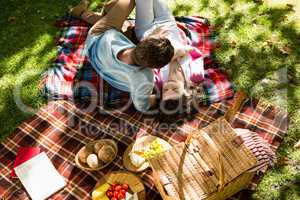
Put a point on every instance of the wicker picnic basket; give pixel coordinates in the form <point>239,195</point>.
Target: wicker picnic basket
<point>211,164</point>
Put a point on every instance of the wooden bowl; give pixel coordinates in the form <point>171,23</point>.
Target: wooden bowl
<point>84,166</point>
<point>135,183</point>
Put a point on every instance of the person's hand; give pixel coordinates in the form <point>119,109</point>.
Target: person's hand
<point>153,100</point>
<point>181,53</point>
<point>162,33</point>
<point>159,33</point>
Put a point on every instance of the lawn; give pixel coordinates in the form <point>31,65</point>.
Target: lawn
<point>259,47</point>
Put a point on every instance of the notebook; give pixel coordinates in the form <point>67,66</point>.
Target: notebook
<point>39,177</point>
<point>24,154</point>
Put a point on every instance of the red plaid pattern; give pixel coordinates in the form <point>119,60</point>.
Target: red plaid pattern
<point>60,129</point>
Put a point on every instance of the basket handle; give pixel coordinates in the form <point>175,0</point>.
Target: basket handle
<point>238,100</point>
<point>221,170</point>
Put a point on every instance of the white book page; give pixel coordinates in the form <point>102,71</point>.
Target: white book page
<point>39,177</point>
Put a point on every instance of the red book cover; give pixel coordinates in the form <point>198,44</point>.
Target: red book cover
<point>24,154</point>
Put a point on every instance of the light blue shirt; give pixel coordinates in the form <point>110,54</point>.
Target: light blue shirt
<point>102,51</point>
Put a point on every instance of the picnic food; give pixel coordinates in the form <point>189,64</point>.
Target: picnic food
<point>83,154</point>
<point>100,192</point>
<point>118,191</point>
<point>155,148</point>
<point>138,157</point>
<point>123,185</point>
<point>106,153</point>
<point>98,146</point>
<point>89,148</point>
<point>137,160</point>
<point>92,161</point>
<point>96,154</point>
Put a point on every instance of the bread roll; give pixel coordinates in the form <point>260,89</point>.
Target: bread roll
<point>83,154</point>
<point>106,153</point>
<point>98,146</point>
<point>92,161</point>
<point>89,148</point>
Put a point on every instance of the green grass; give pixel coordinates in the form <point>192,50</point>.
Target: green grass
<point>253,40</point>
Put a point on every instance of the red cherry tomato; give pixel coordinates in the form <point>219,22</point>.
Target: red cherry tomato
<point>113,186</point>
<point>122,191</point>
<point>114,198</point>
<point>125,186</point>
<point>121,196</point>
<point>109,194</point>
<point>116,193</point>
<point>118,188</point>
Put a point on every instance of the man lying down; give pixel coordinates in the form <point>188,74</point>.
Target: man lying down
<point>129,67</point>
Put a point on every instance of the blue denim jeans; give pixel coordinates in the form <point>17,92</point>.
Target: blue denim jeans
<point>150,14</point>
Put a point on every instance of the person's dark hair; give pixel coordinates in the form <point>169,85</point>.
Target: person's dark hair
<point>177,110</point>
<point>153,52</point>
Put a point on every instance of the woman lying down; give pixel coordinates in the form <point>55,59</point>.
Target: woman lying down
<point>159,61</point>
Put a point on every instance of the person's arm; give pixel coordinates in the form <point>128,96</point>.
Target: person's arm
<point>180,51</point>
<point>175,71</point>
<point>141,93</point>
<point>146,103</point>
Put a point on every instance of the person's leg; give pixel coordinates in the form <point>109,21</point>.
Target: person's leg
<point>108,6</point>
<point>115,18</point>
<point>81,11</point>
<point>80,8</point>
<point>144,16</point>
<point>162,12</point>
<point>91,17</point>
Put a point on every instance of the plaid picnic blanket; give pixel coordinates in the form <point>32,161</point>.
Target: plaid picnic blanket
<point>65,78</point>
<point>60,129</point>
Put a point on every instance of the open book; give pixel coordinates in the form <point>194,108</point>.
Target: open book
<point>39,177</point>
<point>24,154</point>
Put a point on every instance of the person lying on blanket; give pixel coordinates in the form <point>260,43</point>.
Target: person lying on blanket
<point>155,19</point>
<point>127,66</point>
